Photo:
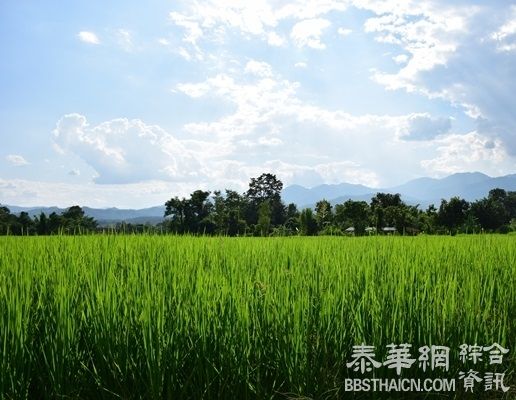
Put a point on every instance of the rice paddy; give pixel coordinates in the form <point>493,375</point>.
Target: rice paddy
<point>122,317</point>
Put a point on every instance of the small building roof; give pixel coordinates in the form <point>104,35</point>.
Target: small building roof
<point>389,229</point>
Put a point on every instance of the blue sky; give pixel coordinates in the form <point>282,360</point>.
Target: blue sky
<point>117,104</point>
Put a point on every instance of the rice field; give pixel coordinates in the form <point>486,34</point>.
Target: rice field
<point>123,317</point>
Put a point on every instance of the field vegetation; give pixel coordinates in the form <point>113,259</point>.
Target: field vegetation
<point>144,316</point>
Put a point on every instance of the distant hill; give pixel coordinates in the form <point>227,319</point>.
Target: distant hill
<point>423,191</point>
<point>302,196</point>
<point>105,216</point>
<point>469,186</point>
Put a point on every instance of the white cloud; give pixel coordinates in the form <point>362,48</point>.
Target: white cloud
<point>237,173</point>
<point>400,59</point>
<point>164,42</point>
<point>427,36</point>
<point>185,54</point>
<point>124,39</point>
<point>193,31</point>
<point>275,39</point>
<point>461,53</point>
<point>88,37</point>
<point>505,36</point>
<point>16,160</point>
<point>269,122</point>
<point>269,141</point>
<point>213,20</point>
<point>135,195</point>
<point>308,33</point>
<point>346,171</point>
<point>194,90</point>
<point>258,68</point>
<point>301,64</point>
<point>470,152</point>
<point>344,32</point>
<point>115,150</point>
<point>424,127</point>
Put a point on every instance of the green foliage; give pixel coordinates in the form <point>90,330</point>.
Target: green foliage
<point>307,223</point>
<point>74,221</point>
<point>265,188</point>
<point>331,230</point>
<point>354,214</point>
<point>323,214</point>
<point>453,213</point>
<point>71,221</point>
<point>264,218</point>
<point>191,215</point>
<point>170,317</point>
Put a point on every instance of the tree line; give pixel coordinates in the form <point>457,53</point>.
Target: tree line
<point>71,221</point>
<point>260,211</point>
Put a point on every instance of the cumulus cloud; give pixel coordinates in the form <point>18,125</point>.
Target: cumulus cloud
<point>126,151</point>
<point>469,152</point>
<point>344,32</point>
<point>400,59</point>
<point>424,127</point>
<point>88,37</point>
<point>211,21</point>
<point>258,68</point>
<point>308,33</point>
<point>459,52</point>
<point>429,37</point>
<point>276,40</point>
<point>270,122</point>
<point>16,160</point>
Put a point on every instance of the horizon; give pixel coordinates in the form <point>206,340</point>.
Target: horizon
<point>374,189</point>
<point>131,104</point>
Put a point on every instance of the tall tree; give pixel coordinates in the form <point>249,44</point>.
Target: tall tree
<point>235,205</point>
<point>264,218</point>
<point>192,215</point>
<point>307,222</point>
<point>176,208</point>
<point>452,213</point>
<point>323,213</point>
<point>74,220</point>
<point>42,227</point>
<point>379,203</point>
<point>6,221</point>
<point>353,213</point>
<point>292,219</point>
<point>25,224</point>
<point>200,208</point>
<point>265,188</point>
<point>54,223</point>
<point>492,212</point>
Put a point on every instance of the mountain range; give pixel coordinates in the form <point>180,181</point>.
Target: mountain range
<point>423,191</point>
<point>104,216</point>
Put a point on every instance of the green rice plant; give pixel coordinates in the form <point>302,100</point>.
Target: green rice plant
<point>213,317</point>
